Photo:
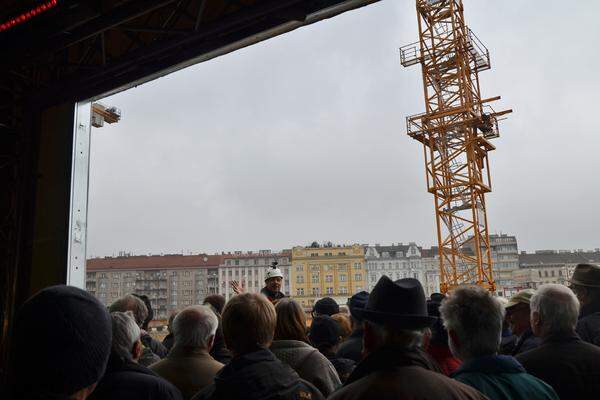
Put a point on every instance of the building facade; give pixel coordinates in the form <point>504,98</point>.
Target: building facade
<point>170,281</point>
<point>404,261</point>
<point>550,266</point>
<point>505,259</point>
<point>327,270</point>
<point>249,270</point>
<point>430,264</point>
<point>396,262</point>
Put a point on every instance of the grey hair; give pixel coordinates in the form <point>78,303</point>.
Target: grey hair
<point>557,307</point>
<point>476,318</point>
<point>195,326</point>
<point>125,332</point>
<point>131,303</point>
<point>399,338</point>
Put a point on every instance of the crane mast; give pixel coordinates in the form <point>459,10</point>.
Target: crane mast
<point>455,130</point>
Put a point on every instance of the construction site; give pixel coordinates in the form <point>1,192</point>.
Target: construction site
<point>67,67</point>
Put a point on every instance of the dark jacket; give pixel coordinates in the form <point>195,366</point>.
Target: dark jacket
<point>343,366</point>
<point>154,345</point>
<point>168,342</point>
<point>258,376</point>
<point>508,344</point>
<point>219,351</point>
<point>588,326</point>
<point>272,296</point>
<point>130,381</point>
<point>503,378</point>
<point>568,364</point>
<point>527,341</point>
<point>352,347</point>
<point>148,357</point>
<point>391,373</point>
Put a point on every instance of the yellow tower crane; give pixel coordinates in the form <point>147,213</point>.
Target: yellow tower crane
<point>455,130</point>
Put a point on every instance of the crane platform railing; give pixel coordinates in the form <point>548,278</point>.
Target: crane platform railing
<point>412,54</point>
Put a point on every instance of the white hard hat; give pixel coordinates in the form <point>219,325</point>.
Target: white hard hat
<point>273,272</point>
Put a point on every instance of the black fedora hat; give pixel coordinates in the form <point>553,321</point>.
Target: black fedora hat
<point>399,304</point>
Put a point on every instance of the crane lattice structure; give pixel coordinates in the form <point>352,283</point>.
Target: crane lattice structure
<point>455,130</point>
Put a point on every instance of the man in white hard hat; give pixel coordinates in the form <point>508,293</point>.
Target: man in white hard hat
<point>273,281</point>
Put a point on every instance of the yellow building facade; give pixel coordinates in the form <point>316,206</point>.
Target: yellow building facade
<point>337,272</point>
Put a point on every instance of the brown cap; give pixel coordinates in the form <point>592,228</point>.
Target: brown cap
<point>586,275</point>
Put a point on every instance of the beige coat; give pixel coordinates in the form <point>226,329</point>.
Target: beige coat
<point>190,370</point>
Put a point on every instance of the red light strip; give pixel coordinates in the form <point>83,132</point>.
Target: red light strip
<point>27,15</point>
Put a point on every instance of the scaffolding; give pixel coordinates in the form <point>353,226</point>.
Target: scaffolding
<point>455,131</point>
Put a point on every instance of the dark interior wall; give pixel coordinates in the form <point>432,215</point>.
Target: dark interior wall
<point>39,188</point>
<point>53,193</point>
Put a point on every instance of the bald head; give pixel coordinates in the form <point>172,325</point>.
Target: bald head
<point>195,326</point>
<point>554,310</point>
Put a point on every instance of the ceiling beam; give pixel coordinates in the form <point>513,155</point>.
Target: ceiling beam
<point>99,24</point>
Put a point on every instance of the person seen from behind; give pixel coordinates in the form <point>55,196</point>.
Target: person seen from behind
<point>60,345</point>
<point>124,377</point>
<point>394,367</point>
<point>325,336</point>
<point>153,350</point>
<point>147,340</point>
<point>473,319</point>
<point>218,351</point>
<point>254,373</point>
<point>436,344</point>
<point>352,347</point>
<point>570,365</point>
<point>345,325</point>
<point>325,306</point>
<point>585,283</point>
<point>189,365</point>
<point>169,339</point>
<point>291,346</point>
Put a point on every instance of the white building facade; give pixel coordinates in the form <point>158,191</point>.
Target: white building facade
<point>400,261</point>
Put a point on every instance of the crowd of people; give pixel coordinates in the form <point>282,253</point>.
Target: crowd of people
<point>392,343</point>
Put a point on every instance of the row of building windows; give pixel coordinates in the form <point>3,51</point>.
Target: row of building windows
<point>315,278</point>
<point>327,267</point>
<point>315,291</point>
<point>328,254</point>
<point>243,272</point>
<point>560,273</point>
<point>117,275</point>
<point>255,261</point>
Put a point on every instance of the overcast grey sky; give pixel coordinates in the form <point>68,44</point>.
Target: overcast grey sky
<point>302,138</point>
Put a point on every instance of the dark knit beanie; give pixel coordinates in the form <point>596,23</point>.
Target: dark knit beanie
<point>62,340</point>
<point>326,306</point>
<point>358,302</point>
<point>324,331</point>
